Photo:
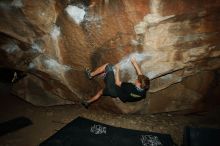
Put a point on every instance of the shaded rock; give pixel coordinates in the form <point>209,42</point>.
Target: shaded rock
<point>41,90</point>
<point>181,96</point>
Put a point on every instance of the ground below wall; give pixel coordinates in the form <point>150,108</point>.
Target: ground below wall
<point>48,120</point>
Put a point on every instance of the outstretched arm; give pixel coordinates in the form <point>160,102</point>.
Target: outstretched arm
<point>136,66</point>
<point>117,78</point>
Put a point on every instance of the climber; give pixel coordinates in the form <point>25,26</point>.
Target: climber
<point>126,92</point>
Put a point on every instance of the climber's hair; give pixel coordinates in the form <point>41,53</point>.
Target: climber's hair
<point>145,81</point>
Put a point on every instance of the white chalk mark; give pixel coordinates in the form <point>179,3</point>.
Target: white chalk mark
<point>55,32</point>
<point>31,65</point>
<point>11,47</point>
<point>54,66</point>
<point>77,14</point>
<point>155,6</point>
<point>17,3</point>
<point>36,48</point>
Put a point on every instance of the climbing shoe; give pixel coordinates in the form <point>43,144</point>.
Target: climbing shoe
<point>85,104</point>
<point>88,73</point>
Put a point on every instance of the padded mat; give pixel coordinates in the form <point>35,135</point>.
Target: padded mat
<point>85,132</point>
<point>14,125</point>
<point>201,137</point>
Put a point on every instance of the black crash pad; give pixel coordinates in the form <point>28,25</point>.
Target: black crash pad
<point>14,125</point>
<point>85,132</point>
<point>201,137</point>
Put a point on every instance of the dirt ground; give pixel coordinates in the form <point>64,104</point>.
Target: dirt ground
<point>48,120</point>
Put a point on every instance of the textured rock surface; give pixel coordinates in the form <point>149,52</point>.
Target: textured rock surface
<point>53,41</point>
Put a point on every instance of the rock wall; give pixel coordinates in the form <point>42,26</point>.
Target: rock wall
<point>52,41</point>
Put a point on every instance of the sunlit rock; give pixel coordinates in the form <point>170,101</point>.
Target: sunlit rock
<point>175,43</point>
